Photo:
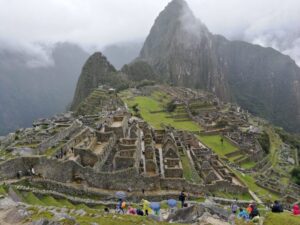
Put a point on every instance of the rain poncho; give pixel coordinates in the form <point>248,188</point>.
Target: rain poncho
<point>146,206</point>
<point>296,210</point>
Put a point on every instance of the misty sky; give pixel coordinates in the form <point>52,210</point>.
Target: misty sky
<point>96,23</point>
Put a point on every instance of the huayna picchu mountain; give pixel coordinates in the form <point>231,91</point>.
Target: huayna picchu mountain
<point>180,50</point>
<point>94,71</point>
<point>262,80</point>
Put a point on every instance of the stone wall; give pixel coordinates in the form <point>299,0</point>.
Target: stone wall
<point>52,141</point>
<point>10,168</point>
<point>65,171</point>
<point>87,157</point>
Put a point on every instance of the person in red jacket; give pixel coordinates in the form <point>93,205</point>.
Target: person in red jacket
<point>296,210</point>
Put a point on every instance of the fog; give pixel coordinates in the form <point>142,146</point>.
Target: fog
<point>33,26</point>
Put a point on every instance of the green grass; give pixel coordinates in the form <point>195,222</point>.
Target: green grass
<point>275,143</point>
<point>49,200</point>
<point>248,165</point>
<point>119,219</point>
<point>148,104</point>
<point>261,192</point>
<point>245,196</point>
<point>189,172</point>
<point>214,142</point>
<point>2,190</point>
<point>65,203</point>
<point>41,215</point>
<point>31,199</point>
<point>281,219</point>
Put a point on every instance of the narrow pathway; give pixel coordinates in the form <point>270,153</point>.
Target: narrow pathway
<point>255,197</point>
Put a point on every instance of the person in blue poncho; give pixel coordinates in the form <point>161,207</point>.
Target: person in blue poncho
<point>243,214</point>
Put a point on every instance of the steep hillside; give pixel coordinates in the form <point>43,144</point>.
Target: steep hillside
<point>94,72</point>
<point>183,51</point>
<point>28,93</point>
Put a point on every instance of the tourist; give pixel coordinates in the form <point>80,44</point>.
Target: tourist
<point>234,207</point>
<point>249,209</point>
<point>243,214</point>
<point>277,207</point>
<point>254,212</point>
<point>146,206</point>
<point>131,211</point>
<point>182,198</point>
<point>119,207</point>
<point>296,210</point>
<point>123,205</point>
<point>139,212</point>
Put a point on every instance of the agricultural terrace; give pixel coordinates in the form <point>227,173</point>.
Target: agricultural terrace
<point>152,109</point>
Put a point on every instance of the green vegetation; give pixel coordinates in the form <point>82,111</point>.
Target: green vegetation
<point>264,141</point>
<point>214,142</point>
<point>296,175</point>
<point>152,110</point>
<point>245,196</point>
<point>138,71</point>
<point>250,182</point>
<point>281,219</point>
<point>248,165</point>
<point>189,172</point>
<point>292,139</point>
<point>119,219</point>
<point>3,190</point>
<point>31,199</point>
<point>275,143</point>
<point>41,215</point>
<point>49,200</point>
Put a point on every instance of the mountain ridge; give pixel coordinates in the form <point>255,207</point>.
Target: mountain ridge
<point>197,58</point>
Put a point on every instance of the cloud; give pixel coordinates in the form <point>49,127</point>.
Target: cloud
<point>270,23</point>
<point>33,55</point>
<point>94,24</point>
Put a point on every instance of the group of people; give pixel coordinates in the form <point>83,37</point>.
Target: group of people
<point>122,208</point>
<point>148,208</point>
<point>249,213</point>
<point>252,212</point>
<point>277,208</point>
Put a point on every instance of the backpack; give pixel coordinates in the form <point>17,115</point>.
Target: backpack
<point>123,205</point>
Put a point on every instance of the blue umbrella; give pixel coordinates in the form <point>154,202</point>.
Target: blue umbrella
<point>120,195</point>
<point>155,206</point>
<point>172,203</point>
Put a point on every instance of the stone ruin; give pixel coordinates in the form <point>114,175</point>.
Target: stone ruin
<point>115,151</point>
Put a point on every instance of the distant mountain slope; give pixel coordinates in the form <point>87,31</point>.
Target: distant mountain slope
<point>183,51</point>
<point>30,93</point>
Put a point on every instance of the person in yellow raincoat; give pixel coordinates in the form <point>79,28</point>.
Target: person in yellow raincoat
<point>146,206</point>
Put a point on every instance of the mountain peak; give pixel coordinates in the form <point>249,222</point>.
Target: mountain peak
<point>175,24</point>
<point>96,68</point>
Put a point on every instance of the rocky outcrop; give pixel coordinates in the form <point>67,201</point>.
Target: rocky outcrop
<point>94,73</point>
<point>262,80</point>
<point>139,70</point>
<point>197,213</point>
